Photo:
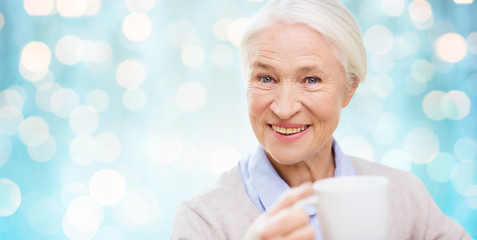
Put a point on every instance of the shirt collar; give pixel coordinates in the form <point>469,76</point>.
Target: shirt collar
<point>269,186</point>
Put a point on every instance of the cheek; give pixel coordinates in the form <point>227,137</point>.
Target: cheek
<point>324,107</point>
<point>257,101</point>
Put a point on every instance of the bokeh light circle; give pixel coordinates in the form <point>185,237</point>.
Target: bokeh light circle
<point>221,29</point>
<point>63,102</point>
<point>137,26</point>
<point>5,149</point>
<point>381,85</point>
<point>10,97</point>
<point>222,159</point>
<point>138,207</point>
<point>357,146</point>
<point>35,57</point>
<point>386,128</point>
<point>10,119</point>
<point>98,99</point>
<point>164,149</point>
<point>465,148</point>
<point>422,70</point>
<point>471,43</point>
<point>34,131</point>
<point>109,147</point>
<point>83,149</point>
<point>93,7</point>
<point>382,63</point>
<point>464,176</point>
<point>71,8</point>
<point>109,232</point>
<point>44,93</point>
<point>441,166</point>
<point>11,197</point>
<point>393,8</point>
<point>451,47</point>
<point>130,74</point>
<point>107,187</point>
<point>421,144</point>
<point>84,215</point>
<point>84,120</point>
<point>2,21</point>
<point>455,105</point>
<point>43,152</point>
<point>378,39</point>
<point>420,11</point>
<point>432,105</point>
<point>397,158</point>
<point>134,99</point>
<point>38,7</point>
<point>193,56</point>
<point>140,5</point>
<point>236,30</point>
<point>191,96</point>
<point>70,50</point>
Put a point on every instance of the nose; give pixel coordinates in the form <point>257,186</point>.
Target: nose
<point>286,104</point>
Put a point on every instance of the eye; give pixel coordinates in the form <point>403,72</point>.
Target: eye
<point>312,80</point>
<point>265,79</point>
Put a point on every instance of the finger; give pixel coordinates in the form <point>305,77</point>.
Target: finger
<point>290,197</point>
<point>305,233</point>
<point>286,221</point>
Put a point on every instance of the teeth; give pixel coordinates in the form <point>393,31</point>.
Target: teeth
<point>288,131</point>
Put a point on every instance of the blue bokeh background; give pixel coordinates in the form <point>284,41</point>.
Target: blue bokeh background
<point>113,112</point>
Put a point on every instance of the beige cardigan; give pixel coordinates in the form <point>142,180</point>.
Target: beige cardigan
<point>224,211</point>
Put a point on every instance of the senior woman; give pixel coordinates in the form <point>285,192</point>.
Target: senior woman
<point>303,60</point>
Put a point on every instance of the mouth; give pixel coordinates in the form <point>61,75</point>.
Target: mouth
<point>288,131</point>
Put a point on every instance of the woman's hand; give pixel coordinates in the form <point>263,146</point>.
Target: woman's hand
<point>283,220</point>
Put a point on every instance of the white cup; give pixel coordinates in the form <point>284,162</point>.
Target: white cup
<point>351,208</point>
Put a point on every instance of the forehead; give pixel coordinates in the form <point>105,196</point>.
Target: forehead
<point>290,41</point>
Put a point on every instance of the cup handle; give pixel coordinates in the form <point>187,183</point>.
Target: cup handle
<point>311,200</point>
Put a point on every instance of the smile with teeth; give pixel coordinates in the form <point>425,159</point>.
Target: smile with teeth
<point>288,131</point>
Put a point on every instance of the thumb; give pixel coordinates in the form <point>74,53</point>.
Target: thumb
<point>291,196</point>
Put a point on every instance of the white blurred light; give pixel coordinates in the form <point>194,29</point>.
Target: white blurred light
<point>357,146</point>
<point>464,176</point>
<point>451,47</point>
<point>10,120</point>
<point>109,147</point>
<point>74,189</point>
<point>71,8</point>
<point>140,5</point>
<point>441,66</point>
<point>35,57</point>
<point>69,50</point>
<point>92,7</point>
<point>441,166</point>
<point>107,187</point>
<point>10,97</point>
<point>130,74</point>
<point>34,131</point>
<point>164,149</point>
<point>83,150</point>
<point>236,30</point>
<point>465,148</point>
<point>84,120</point>
<point>134,99</point>
<point>43,95</point>
<point>397,159</point>
<point>471,42</point>
<point>11,197</point>
<point>382,63</point>
<point>421,144</point>
<point>432,105</point>
<point>191,96</point>
<point>401,48</point>
<point>104,52</point>
<point>2,21</point>
<point>5,149</point>
<point>84,215</point>
<point>109,232</point>
<point>381,85</point>
<point>386,129</point>
<point>393,8</point>
<point>221,55</point>
<point>420,11</point>
<point>222,159</point>
<point>378,39</point>
<point>178,32</point>
<point>43,152</point>
<point>63,102</point>
<point>38,7</point>
<point>422,70</point>
<point>138,207</point>
<point>455,105</point>
<point>193,56</point>
<point>137,26</point>
<point>463,1</point>
<point>221,29</point>
<point>32,76</point>
<point>98,99</point>
<point>188,157</point>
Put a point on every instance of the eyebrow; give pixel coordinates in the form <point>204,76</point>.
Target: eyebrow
<point>301,69</point>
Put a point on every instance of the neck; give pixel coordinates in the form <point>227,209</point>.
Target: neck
<point>321,165</point>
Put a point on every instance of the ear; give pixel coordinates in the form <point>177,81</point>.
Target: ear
<point>350,90</point>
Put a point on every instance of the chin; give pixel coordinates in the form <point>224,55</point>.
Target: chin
<point>283,157</point>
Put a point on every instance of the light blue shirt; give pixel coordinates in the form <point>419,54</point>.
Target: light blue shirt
<point>264,186</point>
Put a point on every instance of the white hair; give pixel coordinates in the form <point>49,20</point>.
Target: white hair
<point>328,17</point>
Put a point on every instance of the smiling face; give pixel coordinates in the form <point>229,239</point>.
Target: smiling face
<point>296,90</point>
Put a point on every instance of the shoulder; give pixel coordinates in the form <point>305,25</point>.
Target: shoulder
<point>216,208</point>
